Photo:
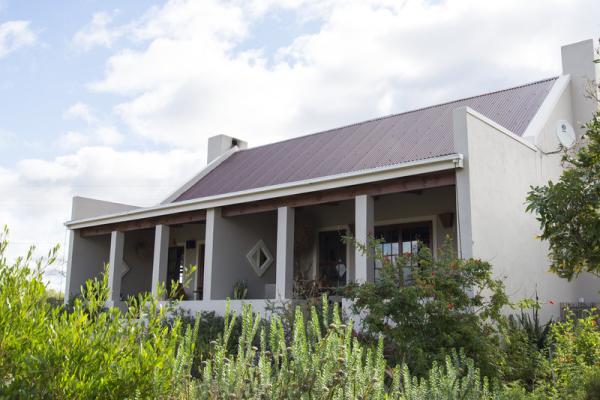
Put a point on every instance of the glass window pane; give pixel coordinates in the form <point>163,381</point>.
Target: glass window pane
<point>387,249</point>
<point>395,248</point>
<point>415,247</point>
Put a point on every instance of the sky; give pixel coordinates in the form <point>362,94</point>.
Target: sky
<point>115,100</point>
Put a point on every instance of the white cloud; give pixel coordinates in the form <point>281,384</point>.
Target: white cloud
<point>41,190</point>
<point>97,132</point>
<point>108,135</point>
<point>99,32</point>
<point>81,111</point>
<point>14,35</point>
<point>367,59</point>
<point>72,140</point>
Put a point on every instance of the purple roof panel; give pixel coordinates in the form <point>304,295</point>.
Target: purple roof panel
<point>394,139</point>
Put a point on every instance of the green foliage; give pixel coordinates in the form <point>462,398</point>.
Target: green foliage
<point>90,352</point>
<point>456,379</point>
<point>313,365</point>
<point>432,306</point>
<point>240,290</point>
<point>575,361</point>
<point>525,342</point>
<point>151,352</point>
<point>569,210</point>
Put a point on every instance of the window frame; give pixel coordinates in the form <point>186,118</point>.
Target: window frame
<point>400,225</point>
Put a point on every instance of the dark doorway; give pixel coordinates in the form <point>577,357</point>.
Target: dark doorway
<point>199,290</point>
<point>175,268</point>
<point>332,260</point>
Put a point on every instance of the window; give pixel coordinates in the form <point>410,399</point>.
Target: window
<point>397,240</point>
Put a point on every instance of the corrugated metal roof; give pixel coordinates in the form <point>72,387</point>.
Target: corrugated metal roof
<point>394,139</point>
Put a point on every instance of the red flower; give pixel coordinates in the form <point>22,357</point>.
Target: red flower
<point>551,302</point>
<point>450,306</point>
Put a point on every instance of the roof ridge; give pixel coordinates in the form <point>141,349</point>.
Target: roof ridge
<point>402,113</point>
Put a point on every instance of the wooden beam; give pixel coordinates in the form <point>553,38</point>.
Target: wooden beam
<point>399,185</point>
<point>146,223</point>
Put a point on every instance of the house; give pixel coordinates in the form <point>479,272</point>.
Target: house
<point>273,216</point>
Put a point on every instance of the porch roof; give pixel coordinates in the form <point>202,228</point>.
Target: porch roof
<point>400,138</point>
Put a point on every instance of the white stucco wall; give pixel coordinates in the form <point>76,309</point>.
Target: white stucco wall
<point>233,238</point>
<point>85,207</point>
<point>499,171</point>
<point>87,258</point>
<point>138,254</point>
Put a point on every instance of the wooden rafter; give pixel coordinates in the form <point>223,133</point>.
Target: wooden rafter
<point>145,223</point>
<point>399,185</point>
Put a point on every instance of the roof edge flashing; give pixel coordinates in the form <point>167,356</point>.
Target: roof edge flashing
<point>543,114</point>
<point>450,161</point>
<point>196,178</point>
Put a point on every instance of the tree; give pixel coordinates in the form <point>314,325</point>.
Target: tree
<point>569,210</point>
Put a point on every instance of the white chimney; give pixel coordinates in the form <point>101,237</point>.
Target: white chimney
<point>220,144</point>
<point>578,62</point>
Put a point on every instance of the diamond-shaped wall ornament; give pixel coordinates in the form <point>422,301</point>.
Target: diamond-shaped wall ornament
<point>260,258</point>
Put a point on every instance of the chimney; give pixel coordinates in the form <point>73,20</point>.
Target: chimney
<point>578,61</point>
<point>220,144</point>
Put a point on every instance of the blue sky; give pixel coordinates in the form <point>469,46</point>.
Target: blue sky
<point>116,99</point>
<point>39,82</point>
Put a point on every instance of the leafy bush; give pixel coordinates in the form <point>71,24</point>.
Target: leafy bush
<point>575,359</point>
<point>313,365</point>
<point>90,352</point>
<point>525,345</point>
<point>456,379</point>
<point>567,210</point>
<point>424,307</point>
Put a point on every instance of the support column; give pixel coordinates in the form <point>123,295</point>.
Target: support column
<point>285,253</point>
<point>209,251</point>
<point>364,225</point>
<point>161,257</point>
<point>115,269</point>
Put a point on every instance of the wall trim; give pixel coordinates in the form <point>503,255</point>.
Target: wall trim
<point>542,116</point>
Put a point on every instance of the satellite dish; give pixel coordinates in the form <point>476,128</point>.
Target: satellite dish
<point>565,133</point>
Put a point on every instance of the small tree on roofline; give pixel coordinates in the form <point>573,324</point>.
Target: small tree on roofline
<point>569,210</point>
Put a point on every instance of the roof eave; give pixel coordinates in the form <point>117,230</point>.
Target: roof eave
<point>435,164</point>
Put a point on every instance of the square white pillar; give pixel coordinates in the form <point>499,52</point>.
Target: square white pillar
<point>115,268</point>
<point>161,257</point>
<point>212,217</point>
<point>364,225</point>
<point>284,281</point>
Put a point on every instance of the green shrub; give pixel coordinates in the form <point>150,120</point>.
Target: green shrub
<point>424,307</point>
<point>456,379</point>
<point>575,357</point>
<point>148,352</point>
<point>90,352</point>
<point>525,345</point>
<point>313,365</point>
